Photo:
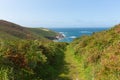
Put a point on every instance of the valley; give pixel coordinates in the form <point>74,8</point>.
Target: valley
<point>28,54</point>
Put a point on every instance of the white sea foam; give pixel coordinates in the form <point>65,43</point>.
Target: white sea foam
<point>62,34</point>
<point>85,32</point>
<point>72,37</point>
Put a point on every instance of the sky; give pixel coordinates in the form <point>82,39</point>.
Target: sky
<point>61,13</point>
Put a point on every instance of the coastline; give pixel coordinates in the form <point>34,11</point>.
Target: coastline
<point>59,37</point>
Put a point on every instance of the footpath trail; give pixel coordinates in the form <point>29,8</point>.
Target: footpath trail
<point>72,65</point>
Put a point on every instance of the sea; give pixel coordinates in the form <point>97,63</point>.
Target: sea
<point>72,33</point>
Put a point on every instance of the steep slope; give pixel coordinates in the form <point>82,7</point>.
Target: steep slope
<point>44,32</point>
<point>10,30</point>
<point>99,55</point>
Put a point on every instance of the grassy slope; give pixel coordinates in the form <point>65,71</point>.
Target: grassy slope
<point>99,55</point>
<point>12,30</point>
<point>44,32</point>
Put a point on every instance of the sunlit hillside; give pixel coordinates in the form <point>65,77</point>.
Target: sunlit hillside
<point>99,55</point>
<point>9,30</point>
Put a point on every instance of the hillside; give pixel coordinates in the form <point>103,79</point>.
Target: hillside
<point>49,34</point>
<point>99,55</point>
<point>95,57</point>
<point>9,30</point>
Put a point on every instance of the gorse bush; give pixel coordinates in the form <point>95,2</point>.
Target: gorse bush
<point>99,55</point>
<point>4,74</point>
<point>30,59</point>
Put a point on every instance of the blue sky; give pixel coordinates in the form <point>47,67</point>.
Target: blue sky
<point>61,13</point>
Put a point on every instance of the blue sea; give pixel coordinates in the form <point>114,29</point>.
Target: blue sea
<point>72,33</point>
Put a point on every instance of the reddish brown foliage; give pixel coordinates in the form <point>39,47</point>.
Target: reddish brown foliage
<point>18,59</point>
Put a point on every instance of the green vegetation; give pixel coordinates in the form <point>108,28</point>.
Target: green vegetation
<point>99,55</point>
<point>27,54</point>
<point>44,32</point>
<point>12,31</point>
<point>72,67</point>
<point>28,60</point>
